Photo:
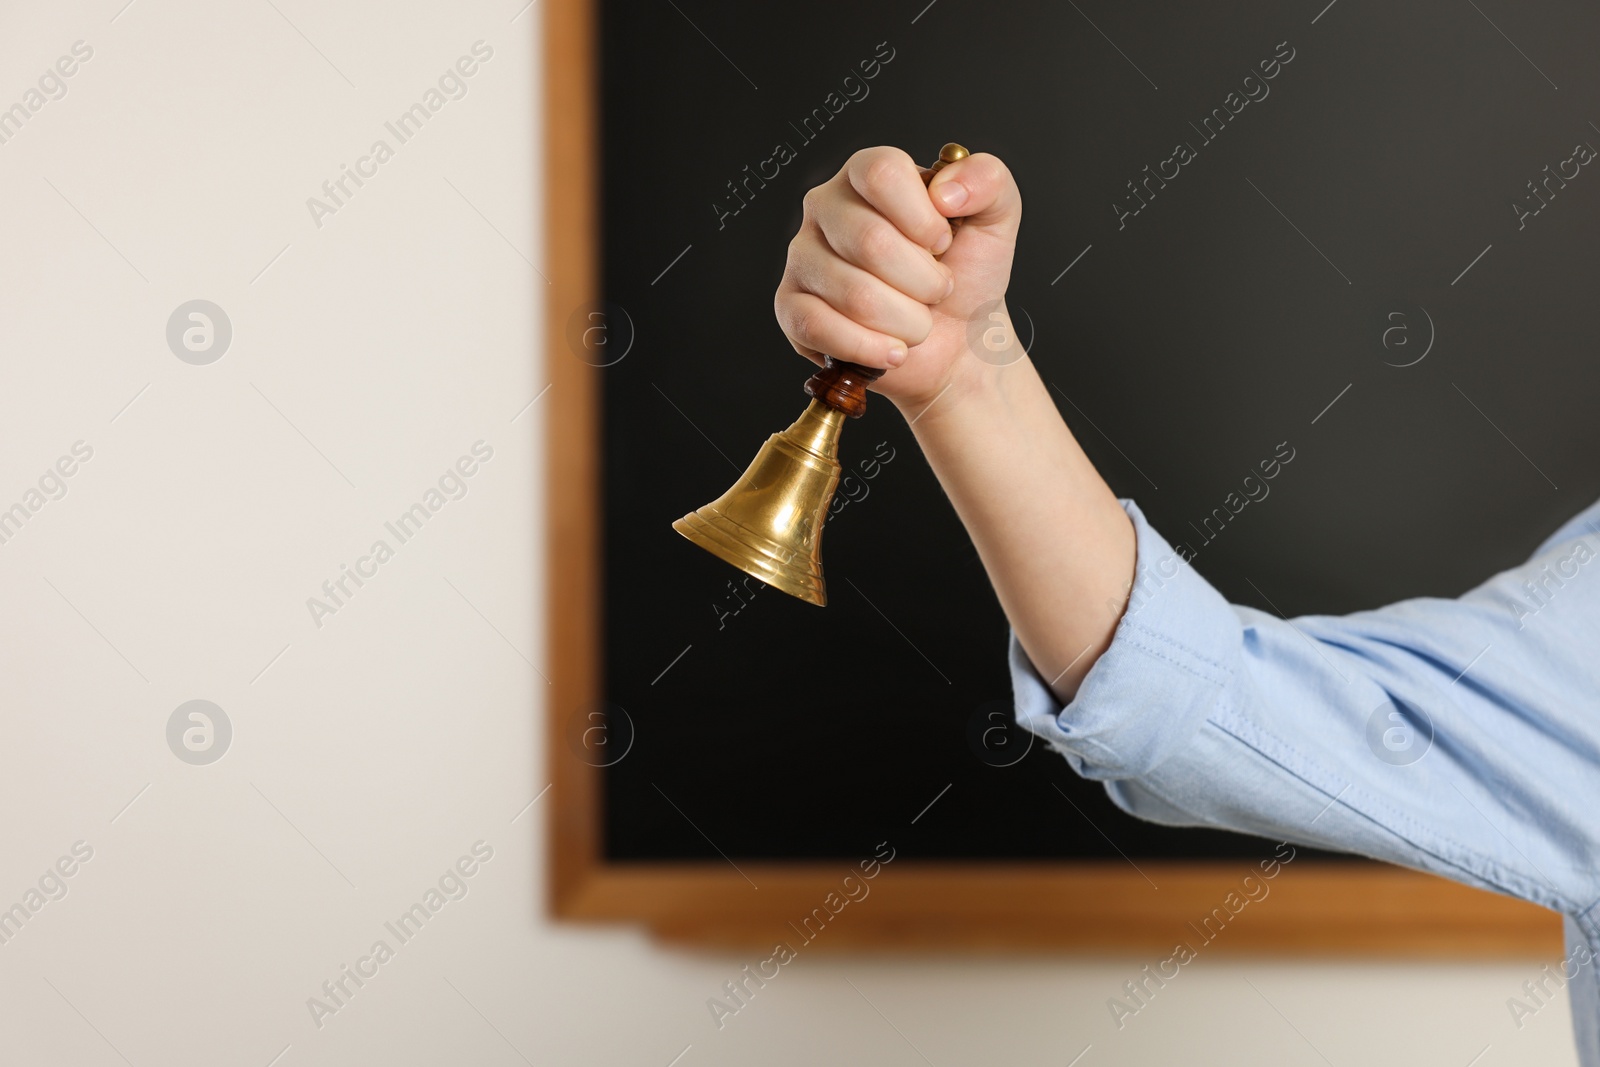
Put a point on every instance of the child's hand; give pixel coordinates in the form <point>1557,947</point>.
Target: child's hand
<point>862,283</point>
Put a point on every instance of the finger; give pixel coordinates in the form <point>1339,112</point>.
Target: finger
<point>980,190</point>
<point>891,182</point>
<point>862,236</point>
<point>863,297</point>
<point>811,323</point>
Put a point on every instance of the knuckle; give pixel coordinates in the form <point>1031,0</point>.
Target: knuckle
<point>859,159</point>
<point>862,158</point>
<point>876,243</point>
<point>807,255</point>
<point>799,247</point>
<point>785,308</point>
<point>798,323</point>
<point>879,167</point>
<point>860,301</point>
<point>881,171</point>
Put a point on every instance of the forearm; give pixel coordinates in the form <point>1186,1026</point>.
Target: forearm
<point>1057,545</point>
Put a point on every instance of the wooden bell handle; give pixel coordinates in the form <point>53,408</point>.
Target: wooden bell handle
<point>841,385</point>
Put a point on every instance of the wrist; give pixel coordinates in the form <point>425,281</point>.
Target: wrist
<point>971,387</point>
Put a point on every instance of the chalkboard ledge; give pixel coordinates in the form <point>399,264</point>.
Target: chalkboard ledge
<point>1355,909</point>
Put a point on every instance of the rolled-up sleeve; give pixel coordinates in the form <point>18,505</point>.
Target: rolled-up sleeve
<point>1458,736</point>
<point>1174,650</point>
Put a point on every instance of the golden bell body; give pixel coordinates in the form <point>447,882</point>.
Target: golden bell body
<point>769,524</point>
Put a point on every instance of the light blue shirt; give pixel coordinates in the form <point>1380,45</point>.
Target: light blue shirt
<point>1459,737</point>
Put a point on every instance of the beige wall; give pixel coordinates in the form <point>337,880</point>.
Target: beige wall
<point>371,751</point>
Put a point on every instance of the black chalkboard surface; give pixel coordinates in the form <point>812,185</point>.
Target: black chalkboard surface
<point>1378,258</point>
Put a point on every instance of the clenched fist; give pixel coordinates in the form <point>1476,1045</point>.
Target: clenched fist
<point>863,283</point>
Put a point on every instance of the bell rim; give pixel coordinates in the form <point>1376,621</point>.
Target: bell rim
<point>802,583</point>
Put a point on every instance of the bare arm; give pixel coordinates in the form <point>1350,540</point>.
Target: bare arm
<point>863,283</point>
<point>1058,547</point>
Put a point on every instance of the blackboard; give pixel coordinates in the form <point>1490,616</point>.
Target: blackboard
<point>1376,250</point>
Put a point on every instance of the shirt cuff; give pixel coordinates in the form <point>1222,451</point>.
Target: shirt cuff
<point>1173,652</point>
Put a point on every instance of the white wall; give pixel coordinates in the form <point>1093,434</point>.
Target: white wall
<point>370,752</point>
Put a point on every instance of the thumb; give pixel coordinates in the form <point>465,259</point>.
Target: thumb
<point>983,197</point>
<point>981,191</point>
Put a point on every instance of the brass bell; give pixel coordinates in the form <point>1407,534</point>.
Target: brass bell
<point>769,524</point>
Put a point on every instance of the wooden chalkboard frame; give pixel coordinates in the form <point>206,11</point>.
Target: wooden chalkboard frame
<point>1334,909</point>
